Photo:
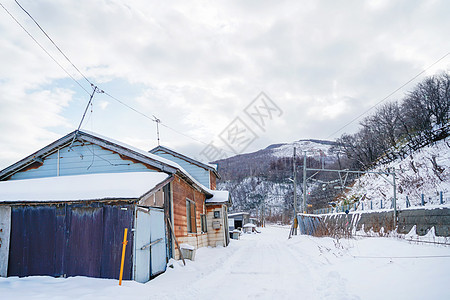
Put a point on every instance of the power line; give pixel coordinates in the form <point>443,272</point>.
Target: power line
<point>39,26</point>
<point>385,98</point>
<point>43,49</point>
<point>154,119</point>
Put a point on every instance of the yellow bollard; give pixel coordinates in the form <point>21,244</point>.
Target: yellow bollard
<point>125,242</point>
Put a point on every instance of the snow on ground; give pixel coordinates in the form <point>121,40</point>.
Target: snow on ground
<point>269,266</point>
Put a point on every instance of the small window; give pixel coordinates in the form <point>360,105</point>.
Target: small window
<point>190,215</point>
<point>203,221</point>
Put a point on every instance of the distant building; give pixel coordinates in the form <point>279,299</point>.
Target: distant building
<point>239,219</point>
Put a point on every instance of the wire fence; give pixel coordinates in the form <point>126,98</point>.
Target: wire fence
<point>424,200</point>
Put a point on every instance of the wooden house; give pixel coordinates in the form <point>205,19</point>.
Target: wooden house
<point>206,174</point>
<point>212,212</point>
<point>64,209</point>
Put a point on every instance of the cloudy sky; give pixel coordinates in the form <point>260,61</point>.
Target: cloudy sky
<point>197,66</point>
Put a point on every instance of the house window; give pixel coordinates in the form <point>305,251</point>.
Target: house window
<point>190,214</point>
<point>203,220</point>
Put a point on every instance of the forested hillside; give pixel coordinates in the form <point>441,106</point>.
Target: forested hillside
<point>389,137</point>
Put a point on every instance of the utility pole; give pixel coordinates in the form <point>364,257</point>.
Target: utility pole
<point>295,184</point>
<point>395,198</point>
<point>295,193</point>
<point>304,183</point>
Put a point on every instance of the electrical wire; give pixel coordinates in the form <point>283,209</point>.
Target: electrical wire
<point>154,119</point>
<point>90,82</point>
<point>390,94</point>
<point>43,49</point>
<point>65,56</point>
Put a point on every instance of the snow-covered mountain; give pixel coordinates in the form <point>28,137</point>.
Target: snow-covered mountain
<point>259,180</point>
<point>258,162</point>
<point>312,147</point>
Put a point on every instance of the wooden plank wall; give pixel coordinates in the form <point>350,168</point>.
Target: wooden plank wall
<point>216,237</point>
<point>181,191</point>
<point>82,158</point>
<point>212,180</point>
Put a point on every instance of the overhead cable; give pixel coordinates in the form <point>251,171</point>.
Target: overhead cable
<point>65,56</point>
<point>390,94</point>
<point>29,34</point>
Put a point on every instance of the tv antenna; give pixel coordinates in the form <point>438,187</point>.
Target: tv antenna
<point>157,126</point>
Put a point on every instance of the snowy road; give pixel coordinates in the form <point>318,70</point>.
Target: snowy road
<point>269,266</point>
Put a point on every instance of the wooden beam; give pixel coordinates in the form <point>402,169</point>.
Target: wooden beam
<point>176,242</point>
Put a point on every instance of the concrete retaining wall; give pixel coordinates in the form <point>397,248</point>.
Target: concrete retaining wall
<point>424,219</point>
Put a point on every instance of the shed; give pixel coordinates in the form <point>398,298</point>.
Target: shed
<point>240,218</point>
<point>74,225</point>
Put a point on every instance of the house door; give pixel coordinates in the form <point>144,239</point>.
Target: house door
<point>150,244</point>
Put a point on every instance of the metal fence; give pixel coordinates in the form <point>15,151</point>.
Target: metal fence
<point>424,200</point>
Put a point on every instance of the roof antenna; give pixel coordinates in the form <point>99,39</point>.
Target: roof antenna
<point>96,90</point>
<point>157,126</point>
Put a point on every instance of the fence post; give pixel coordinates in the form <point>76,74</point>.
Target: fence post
<point>381,203</point>
<point>354,206</point>
<point>371,206</point>
<point>407,202</point>
<point>441,198</point>
<point>362,205</point>
<point>423,200</point>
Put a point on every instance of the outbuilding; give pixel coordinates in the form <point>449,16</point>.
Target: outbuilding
<point>74,225</point>
<point>239,219</point>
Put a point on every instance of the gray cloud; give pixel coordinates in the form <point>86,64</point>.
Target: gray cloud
<point>196,65</point>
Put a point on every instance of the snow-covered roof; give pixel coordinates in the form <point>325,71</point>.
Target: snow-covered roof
<point>142,152</point>
<point>238,214</point>
<point>204,165</point>
<point>153,157</point>
<point>131,185</point>
<point>220,197</point>
<point>144,156</point>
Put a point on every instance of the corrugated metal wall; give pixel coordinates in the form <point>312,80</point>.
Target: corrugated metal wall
<point>309,225</point>
<point>70,240</point>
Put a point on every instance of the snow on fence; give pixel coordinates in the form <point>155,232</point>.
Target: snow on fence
<point>424,200</point>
